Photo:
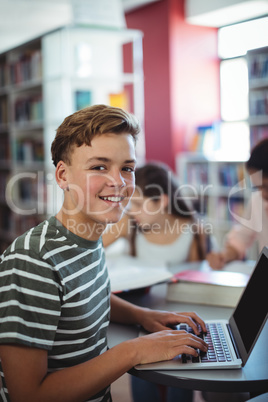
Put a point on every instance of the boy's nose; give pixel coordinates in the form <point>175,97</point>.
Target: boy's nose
<point>116,179</point>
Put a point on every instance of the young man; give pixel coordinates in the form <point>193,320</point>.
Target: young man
<point>254,225</point>
<point>55,303</point>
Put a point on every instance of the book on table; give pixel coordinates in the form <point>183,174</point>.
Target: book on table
<point>219,288</point>
<point>130,273</point>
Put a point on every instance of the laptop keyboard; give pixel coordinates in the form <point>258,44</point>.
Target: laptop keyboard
<point>218,350</point>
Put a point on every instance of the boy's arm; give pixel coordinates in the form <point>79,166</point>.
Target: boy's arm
<point>27,379</point>
<point>152,320</point>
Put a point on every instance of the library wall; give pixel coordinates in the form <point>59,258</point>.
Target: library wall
<point>181,72</point>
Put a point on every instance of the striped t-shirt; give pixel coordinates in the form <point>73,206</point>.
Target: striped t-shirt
<point>55,295</point>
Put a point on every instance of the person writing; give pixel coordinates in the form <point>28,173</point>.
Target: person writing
<point>254,226</point>
<point>55,299</point>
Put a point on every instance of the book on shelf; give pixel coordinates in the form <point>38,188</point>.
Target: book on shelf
<point>257,134</point>
<point>202,139</point>
<point>219,288</point>
<point>206,139</point>
<point>83,98</point>
<point>4,148</point>
<point>3,74</point>
<point>258,103</point>
<point>229,207</point>
<point>197,173</point>
<point>24,67</point>
<point>119,99</point>
<point>30,150</point>
<point>29,109</point>
<point>4,176</point>
<point>231,174</point>
<point>21,68</point>
<point>258,66</point>
<point>3,111</point>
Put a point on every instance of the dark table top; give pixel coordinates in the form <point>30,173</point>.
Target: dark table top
<point>253,377</point>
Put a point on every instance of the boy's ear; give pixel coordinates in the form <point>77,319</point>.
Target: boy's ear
<point>61,175</point>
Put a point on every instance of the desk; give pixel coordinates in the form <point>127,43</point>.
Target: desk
<point>252,378</point>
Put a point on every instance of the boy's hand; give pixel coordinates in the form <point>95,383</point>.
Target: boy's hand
<point>155,320</point>
<point>165,345</point>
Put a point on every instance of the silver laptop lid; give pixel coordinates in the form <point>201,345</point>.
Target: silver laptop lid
<point>251,312</point>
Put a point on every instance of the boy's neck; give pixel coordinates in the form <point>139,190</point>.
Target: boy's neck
<point>85,229</point>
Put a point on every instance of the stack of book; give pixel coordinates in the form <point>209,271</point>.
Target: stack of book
<point>218,288</point>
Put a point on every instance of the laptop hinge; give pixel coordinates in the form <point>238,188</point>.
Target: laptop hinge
<point>233,342</point>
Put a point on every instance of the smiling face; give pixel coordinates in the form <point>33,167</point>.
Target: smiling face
<point>98,184</point>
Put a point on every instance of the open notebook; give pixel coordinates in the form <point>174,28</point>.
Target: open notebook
<point>231,341</point>
<point>128,273</point>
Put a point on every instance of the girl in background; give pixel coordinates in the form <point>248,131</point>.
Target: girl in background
<point>160,227</point>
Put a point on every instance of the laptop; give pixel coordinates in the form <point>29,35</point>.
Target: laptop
<point>230,341</point>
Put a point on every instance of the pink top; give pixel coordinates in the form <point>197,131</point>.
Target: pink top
<point>252,227</point>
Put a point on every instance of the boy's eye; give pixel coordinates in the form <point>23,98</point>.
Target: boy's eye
<point>129,169</point>
<point>101,167</point>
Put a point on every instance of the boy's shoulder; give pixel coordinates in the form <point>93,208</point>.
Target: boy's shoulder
<point>35,240</point>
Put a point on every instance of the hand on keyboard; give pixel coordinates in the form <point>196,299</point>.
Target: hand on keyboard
<point>217,346</point>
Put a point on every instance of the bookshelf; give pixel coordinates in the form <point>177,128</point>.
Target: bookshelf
<point>218,189</point>
<point>43,81</point>
<point>257,60</point>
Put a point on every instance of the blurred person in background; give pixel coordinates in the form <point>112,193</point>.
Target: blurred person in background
<point>253,227</point>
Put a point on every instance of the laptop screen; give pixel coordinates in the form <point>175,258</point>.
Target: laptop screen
<point>251,312</point>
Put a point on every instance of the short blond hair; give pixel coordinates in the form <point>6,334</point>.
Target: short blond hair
<point>81,127</point>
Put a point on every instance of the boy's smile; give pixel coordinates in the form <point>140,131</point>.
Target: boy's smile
<point>100,181</point>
